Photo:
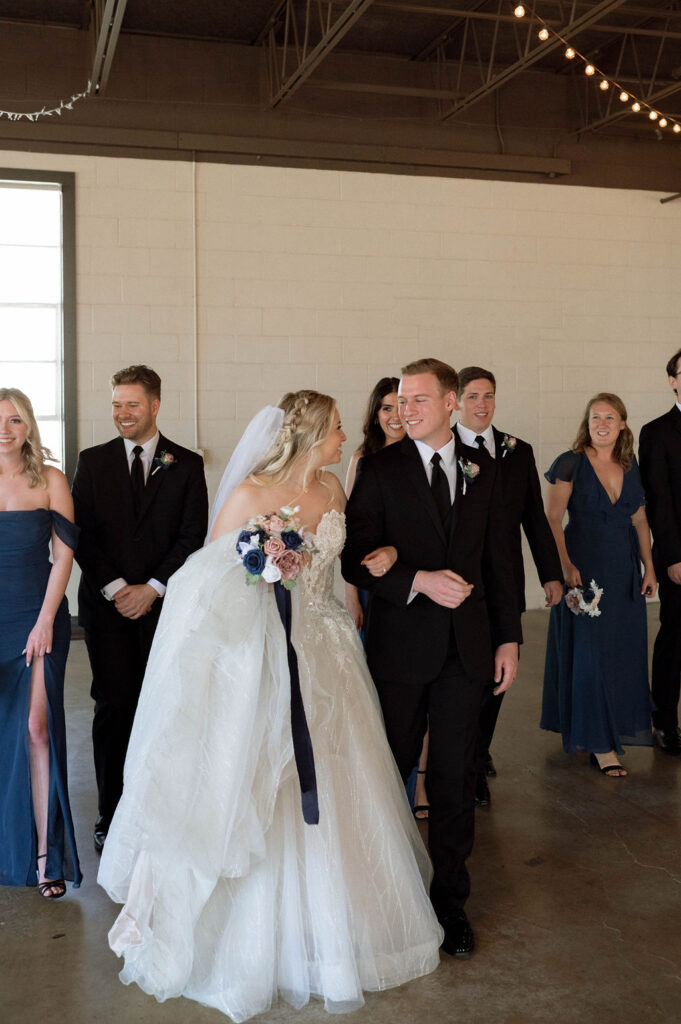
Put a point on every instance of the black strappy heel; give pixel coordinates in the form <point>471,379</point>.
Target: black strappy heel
<point>57,883</point>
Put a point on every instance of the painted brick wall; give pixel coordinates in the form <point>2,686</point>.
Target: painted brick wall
<point>332,279</point>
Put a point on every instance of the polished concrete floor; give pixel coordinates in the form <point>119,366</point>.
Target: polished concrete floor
<point>576,898</point>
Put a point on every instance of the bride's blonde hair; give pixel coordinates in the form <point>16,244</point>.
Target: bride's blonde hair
<point>33,452</point>
<point>308,418</point>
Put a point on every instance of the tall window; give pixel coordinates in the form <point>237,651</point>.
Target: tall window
<point>37,301</point>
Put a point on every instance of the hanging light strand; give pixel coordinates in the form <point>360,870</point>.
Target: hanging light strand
<point>604,81</point>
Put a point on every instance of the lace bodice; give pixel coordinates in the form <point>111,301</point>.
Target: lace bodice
<point>316,581</point>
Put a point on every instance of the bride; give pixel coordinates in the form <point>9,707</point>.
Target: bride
<point>230,896</point>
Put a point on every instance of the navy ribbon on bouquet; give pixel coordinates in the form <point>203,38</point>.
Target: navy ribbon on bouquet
<point>302,741</point>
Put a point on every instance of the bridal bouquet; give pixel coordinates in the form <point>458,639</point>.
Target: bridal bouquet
<point>272,548</point>
<point>584,600</point>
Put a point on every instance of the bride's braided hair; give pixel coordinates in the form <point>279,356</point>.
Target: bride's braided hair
<point>308,417</point>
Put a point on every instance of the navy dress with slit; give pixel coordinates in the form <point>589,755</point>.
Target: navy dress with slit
<point>24,571</point>
<point>596,690</point>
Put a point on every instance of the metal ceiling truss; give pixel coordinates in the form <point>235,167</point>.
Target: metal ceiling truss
<point>472,53</point>
<point>298,36</point>
<point>107,17</point>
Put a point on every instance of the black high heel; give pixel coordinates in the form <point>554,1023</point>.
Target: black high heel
<point>57,883</point>
<point>608,769</point>
<point>420,808</point>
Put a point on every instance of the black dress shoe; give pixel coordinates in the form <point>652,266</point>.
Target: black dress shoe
<point>458,940</point>
<point>668,740</point>
<point>483,796</point>
<point>99,835</point>
<point>489,768</point>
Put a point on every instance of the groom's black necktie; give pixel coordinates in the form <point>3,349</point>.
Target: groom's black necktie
<point>480,441</point>
<point>137,477</point>
<point>439,488</point>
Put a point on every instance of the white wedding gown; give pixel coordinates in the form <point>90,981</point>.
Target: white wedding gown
<point>230,899</point>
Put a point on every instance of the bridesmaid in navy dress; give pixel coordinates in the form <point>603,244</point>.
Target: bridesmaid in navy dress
<point>37,843</point>
<point>596,674</point>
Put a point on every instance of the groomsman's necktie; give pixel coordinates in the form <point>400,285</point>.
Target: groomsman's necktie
<point>439,487</point>
<point>480,441</point>
<point>137,477</point>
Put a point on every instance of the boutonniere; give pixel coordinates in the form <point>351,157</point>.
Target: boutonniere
<point>508,444</point>
<point>163,461</point>
<point>469,471</point>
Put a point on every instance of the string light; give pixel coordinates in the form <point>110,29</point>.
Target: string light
<point>519,11</point>
<point>604,83</point>
<point>13,115</point>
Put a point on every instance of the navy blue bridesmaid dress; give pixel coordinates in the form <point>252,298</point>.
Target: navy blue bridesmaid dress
<point>24,570</point>
<point>596,690</point>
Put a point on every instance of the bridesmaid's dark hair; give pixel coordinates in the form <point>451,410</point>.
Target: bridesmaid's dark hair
<point>374,438</point>
<point>623,451</point>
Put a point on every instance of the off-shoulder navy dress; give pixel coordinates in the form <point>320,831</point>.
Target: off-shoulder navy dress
<point>24,570</point>
<point>596,690</point>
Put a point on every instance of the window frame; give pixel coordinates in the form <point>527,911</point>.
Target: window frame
<point>69,383</point>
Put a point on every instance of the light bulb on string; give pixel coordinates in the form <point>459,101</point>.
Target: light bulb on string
<point>519,11</point>
<point>624,96</point>
<point>543,34</point>
<point>589,70</point>
<point>636,106</point>
<point>663,122</point>
<point>653,115</point>
<point>604,84</point>
<point>677,128</point>
<point>570,53</point>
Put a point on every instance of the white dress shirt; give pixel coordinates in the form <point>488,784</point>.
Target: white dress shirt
<point>448,456</point>
<point>468,437</point>
<point>146,457</point>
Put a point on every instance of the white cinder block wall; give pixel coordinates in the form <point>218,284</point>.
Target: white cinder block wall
<point>332,279</point>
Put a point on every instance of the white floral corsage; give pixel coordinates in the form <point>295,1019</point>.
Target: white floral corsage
<point>584,600</point>
<point>508,444</point>
<point>163,461</point>
<point>469,471</point>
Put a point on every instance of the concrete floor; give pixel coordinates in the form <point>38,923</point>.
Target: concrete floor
<point>575,902</point>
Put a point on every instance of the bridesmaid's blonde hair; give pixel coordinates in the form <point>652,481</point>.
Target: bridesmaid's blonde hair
<point>623,451</point>
<point>308,418</point>
<point>34,453</point>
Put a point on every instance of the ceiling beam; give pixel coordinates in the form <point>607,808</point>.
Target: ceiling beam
<point>107,20</point>
<point>283,84</point>
<point>494,81</point>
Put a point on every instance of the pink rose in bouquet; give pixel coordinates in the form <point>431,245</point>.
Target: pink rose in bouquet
<point>289,564</point>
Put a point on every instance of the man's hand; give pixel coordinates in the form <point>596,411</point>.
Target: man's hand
<point>554,592</point>
<point>134,600</point>
<point>505,666</point>
<point>443,586</point>
<point>674,573</point>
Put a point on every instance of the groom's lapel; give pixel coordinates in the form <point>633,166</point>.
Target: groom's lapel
<point>415,475</point>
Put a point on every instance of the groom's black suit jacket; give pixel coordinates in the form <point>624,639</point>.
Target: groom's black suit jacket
<point>660,462</point>
<point>391,503</point>
<point>114,542</point>
<point>524,508</point>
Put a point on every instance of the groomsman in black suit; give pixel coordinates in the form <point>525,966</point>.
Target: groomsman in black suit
<point>141,503</point>
<point>523,508</point>
<point>660,459</point>
<point>443,620</point>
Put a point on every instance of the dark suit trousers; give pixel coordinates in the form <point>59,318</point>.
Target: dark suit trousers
<point>118,649</point>
<point>451,705</point>
<point>489,712</point>
<point>666,682</point>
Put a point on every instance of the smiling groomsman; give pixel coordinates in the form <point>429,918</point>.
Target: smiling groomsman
<point>660,458</point>
<point>523,508</point>
<point>141,503</point>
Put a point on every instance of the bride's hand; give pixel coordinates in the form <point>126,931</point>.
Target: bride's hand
<point>378,562</point>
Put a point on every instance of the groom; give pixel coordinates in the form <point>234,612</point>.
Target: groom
<point>141,503</point>
<point>443,620</point>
